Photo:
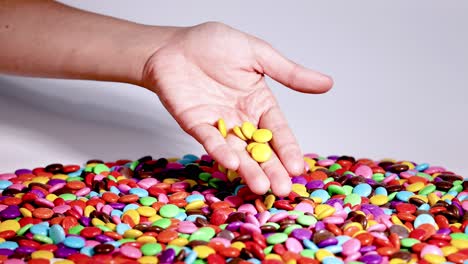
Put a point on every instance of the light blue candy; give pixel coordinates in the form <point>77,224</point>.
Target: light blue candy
<point>347,210</point>
<point>76,173</point>
<point>334,249</point>
<point>424,219</point>
<point>191,257</point>
<point>116,244</point>
<point>93,194</point>
<point>363,189</point>
<point>404,195</point>
<point>190,157</point>
<point>387,211</point>
<point>9,245</point>
<point>184,161</point>
<point>254,261</point>
<point>114,189</point>
<point>424,207</point>
<point>422,167</point>
<point>194,217</point>
<point>5,184</point>
<point>332,260</point>
<point>57,234</point>
<point>88,251</point>
<point>130,207</point>
<point>452,192</point>
<point>309,244</point>
<point>40,229</point>
<point>194,197</point>
<point>322,194</point>
<point>181,216</point>
<point>121,228</point>
<point>116,212</point>
<point>342,239</point>
<point>139,191</point>
<point>381,190</point>
<point>74,242</point>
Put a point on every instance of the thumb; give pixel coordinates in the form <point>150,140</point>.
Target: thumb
<point>289,73</point>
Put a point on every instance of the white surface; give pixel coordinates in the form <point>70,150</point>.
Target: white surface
<point>400,71</point>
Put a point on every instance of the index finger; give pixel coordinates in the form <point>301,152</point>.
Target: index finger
<point>284,143</point>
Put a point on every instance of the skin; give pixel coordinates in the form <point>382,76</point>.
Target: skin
<point>221,68</point>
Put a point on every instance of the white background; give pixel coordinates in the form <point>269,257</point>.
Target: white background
<point>400,71</point>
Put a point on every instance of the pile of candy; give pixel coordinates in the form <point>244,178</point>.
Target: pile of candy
<point>192,210</point>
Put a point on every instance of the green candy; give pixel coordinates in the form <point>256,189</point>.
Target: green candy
<point>306,220</point>
<point>409,242</point>
<point>23,229</point>
<point>268,250</point>
<point>204,234</point>
<point>378,177</point>
<point>184,235</point>
<point>335,189</point>
<point>290,228</point>
<point>457,182</point>
<point>392,196</point>
<point>112,178</point>
<point>74,179</point>
<point>353,199</point>
<point>125,240</point>
<point>294,212</point>
<point>151,249</point>
<point>148,200</point>
<point>204,176</point>
<point>134,164</point>
<point>327,180</point>
<point>169,210</point>
<point>43,239</point>
<point>199,261</point>
<point>428,189</point>
<point>75,230</point>
<point>104,228</point>
<point>425,175</point>
<point>461,236</point>
<point>308,253</point>
<point>277,238</point>
<point>68,196</point>
<point>456,188</point>
<point>100,168</point>
<point>162,223</point>
<point>334,167</point>
<point>348,189</point>
<point>222,226</point>
<point>217,183</point>
<point>276,225</point>
<point>349,172</point>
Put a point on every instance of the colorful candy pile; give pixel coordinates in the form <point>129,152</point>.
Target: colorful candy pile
<point>192,210</point>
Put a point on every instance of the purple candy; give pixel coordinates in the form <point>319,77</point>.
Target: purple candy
<point>38,193</point>
<point>167,256</point>
<point>301,233</point>
<point>371,259</point>
<point>444,231</point>
<point>64,252</point>
<point>300,180</point>
<point>10,212</point>
<point>55,181</point>
<point>85,220</point>
<point>103,238</point>
<point>334,200</point>
<point>22,171</point>
<point>333,157</point>
<point>319,226</point>
<point>25,250</point>
<point>234,226</point>
<point>118,206</point>
<point>6,252</point>
<point>367,249</point>
<point>328,242</point>
<point>315,184</point>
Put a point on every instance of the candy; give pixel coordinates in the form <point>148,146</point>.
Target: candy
<point>261,152</point>
<point>222,127</point>
<point>341,210</point>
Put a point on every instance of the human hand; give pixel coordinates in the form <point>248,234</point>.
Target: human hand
<point>213,71</point>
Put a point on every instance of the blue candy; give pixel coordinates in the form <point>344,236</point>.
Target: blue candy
<point>121,228</point>
<point>5,184</point>
<point>74,242</point>
<point>424,219</point>
<point>57,234</point>
<point>9,245</point>
<point>363,189</point>
<point>139,191</point>
<point>194,197</point>
<point>404,196</point>
<point>322,194</point>
<point>381,190</point>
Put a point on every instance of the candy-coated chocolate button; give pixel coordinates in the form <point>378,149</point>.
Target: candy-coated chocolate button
<point>262,135</point>
<point>261,152</point>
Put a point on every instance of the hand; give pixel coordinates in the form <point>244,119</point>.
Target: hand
<point>212,71</point>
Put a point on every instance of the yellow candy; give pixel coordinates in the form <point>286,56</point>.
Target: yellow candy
<point>40,179</point>
<point>9,225</point>
<point>397,261</point>
<point>459,243</point>
<point>269,200</point>
<point>180,241</point>
<point>396,220</point>
<point>2,240</point>
<point>64,261</point>
<point>154,218</point>
<point>415,187</point>
<point>296,187</point>
<point>274,256</point>
<point>146,239</point>
<point>146,211</point>
<point>356,224</point>
<point>310,162</point>
<point>421,197</point>
<point>191,182</point>
<point>262,135</point>
<point>170,180</point>
<point>112,226</point>
<point>231,175</point>
<point>221,168</point>
<point>195,205</point>
<point>88,210</point>
<point>248,129</point>
<point>291,261</point>
<point>250,146</point>
<point>239,245</point>
<point>324,210</point>
<point>51,197</point>
<point>261,152</point>
<point>379,199</point>
<point>322,253</point>
<point>238,132</point>
<point>148,260</point>
<point>222,127</point>
<point>447,197</point>
<point>60,176</point>
<point>42,254</point>
<point>132,233</point>
<point>316,199</point>
<point>203,251</point>
<point>409,164</point>
<point>434,259</point>
<point>433,198</point>
<point>97,222</point>
<point>449,250</point>
<point>134,215</point>
<point>25,212</point>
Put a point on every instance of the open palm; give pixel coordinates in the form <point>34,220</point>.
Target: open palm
<point>212,71</point>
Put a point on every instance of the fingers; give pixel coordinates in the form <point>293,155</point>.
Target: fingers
<point>284,143</point>
<point>249,169</point>
<point>215,145</point>
<point>279,177</point>
<point>289,73</point>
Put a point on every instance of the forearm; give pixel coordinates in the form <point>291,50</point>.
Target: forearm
<point>48,39</point>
